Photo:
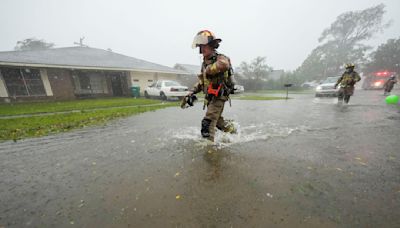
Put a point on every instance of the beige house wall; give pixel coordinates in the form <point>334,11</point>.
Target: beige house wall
<point>144,79</point>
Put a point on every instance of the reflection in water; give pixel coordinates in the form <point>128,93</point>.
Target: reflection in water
<point>214,156</point>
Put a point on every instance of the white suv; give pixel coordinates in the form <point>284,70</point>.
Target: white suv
<point>165,89</point>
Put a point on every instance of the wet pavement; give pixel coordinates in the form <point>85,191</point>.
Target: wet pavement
<point>304,162</point>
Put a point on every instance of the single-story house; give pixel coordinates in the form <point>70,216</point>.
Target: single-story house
<point>75,72</point>
<point>192,70</point>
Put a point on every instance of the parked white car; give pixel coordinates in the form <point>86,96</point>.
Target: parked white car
<point>165,89</point>
<point>311,84</point>
<point>327,88</point>
<point>238,89</point>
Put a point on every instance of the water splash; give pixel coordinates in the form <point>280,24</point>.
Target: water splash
<point>252,132</point>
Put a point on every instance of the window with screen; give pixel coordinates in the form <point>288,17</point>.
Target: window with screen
<point>23,82</point>
<point>84,80</point>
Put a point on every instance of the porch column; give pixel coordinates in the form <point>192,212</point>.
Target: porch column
<point>46,82</point>
<point>3,89</point>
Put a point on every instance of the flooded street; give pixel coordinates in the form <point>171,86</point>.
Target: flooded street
<point>304,162</point>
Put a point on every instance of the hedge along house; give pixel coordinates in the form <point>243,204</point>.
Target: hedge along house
<point>74,72</point>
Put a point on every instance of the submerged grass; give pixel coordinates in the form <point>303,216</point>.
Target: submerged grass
<point>60,106</point>
<point>291,91</point>
<point>260,98</point>
<point>36,126</point>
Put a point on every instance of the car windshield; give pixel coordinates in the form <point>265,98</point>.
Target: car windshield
<point>331,80</point>
<point>171,83</point>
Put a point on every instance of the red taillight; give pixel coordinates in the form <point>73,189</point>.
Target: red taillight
<point>382,73</point>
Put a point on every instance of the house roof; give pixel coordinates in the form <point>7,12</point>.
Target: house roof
<point>192,69</point>
<point>81,58</point>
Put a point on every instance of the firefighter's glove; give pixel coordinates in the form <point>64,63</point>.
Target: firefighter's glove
<point>188,100</point>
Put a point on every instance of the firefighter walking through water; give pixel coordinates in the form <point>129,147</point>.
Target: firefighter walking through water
<point>388,86</point>
<point>216,81</point>
<point>346,82</point>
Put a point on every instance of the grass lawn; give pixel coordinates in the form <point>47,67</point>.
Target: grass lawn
<point>36,126</point>
<point>44,107</point>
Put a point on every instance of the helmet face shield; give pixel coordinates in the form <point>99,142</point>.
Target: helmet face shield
<point>199,40</point>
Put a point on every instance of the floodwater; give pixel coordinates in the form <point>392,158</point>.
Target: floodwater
<point>304,162</point>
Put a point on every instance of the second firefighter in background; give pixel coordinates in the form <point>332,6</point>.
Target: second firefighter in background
<point>347,82</point>
<point>216,81</point>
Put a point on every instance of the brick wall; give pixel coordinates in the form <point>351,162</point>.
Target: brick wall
<point>61,83</point>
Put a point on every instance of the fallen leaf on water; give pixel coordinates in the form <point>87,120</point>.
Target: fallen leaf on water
<point>309,167</point>
<point>362,163</point>
<point>177,174</point>
<point>358,158</point>
<point>339,169</point>
<point>72,222</point>
<point>177,197</point>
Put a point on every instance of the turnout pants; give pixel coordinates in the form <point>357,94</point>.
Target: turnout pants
<point>345,93</point>
<point>389,87</point>
<point>213,118</point>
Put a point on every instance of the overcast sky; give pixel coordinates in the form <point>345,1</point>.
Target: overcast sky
<point>161,31</point>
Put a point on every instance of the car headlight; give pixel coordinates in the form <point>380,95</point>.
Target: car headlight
<point>319,88</point>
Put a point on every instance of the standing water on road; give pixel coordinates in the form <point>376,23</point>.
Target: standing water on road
<point>304,162</point>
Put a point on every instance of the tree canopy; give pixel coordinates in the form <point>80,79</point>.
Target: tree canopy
<point>254,74</point>
<point>342,42</point>
<point>386,57</point>
<point>32,44</point>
